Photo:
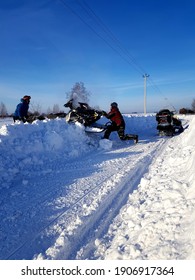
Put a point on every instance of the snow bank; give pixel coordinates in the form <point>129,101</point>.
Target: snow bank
<point>28,146</point>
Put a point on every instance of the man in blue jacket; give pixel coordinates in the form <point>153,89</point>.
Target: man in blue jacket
<point>21,112</point>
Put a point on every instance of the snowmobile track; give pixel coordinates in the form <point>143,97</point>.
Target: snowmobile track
<point>72,208</point>
<point>93,226</point>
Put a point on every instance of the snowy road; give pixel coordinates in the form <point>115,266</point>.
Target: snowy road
<point>115,189</point>
<point>62,207</point>
<point>70,213</point>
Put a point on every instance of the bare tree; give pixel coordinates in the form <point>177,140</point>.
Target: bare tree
<point>3,110</point>
<point>49,110</point>
<point>56,108</point>
<point>193,105</point>
<point>35,108</point>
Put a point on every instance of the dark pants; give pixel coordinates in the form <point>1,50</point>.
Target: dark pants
<point>121,132</point>
<point>113,127</point>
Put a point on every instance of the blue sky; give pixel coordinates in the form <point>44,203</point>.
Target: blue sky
<point>46,46</point>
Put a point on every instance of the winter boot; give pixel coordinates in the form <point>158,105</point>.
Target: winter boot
<point>136,139</point>
<point>131,137</point>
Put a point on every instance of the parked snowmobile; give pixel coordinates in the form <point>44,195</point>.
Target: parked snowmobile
<point>31,118</point>
<point>85,115</point>
<point>168,125</point>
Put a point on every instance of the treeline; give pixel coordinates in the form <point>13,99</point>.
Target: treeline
<point>188,110</point>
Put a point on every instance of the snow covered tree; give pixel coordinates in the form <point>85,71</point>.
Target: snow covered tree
<point>79,93</point>
<point>3,110</point>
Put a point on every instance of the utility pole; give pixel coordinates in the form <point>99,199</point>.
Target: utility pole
<point>145,76</point>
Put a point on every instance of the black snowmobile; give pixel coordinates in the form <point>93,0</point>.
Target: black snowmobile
<point>85,115</point>
<point>168,125</point>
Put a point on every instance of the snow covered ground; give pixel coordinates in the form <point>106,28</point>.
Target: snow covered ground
<point>66,194</point>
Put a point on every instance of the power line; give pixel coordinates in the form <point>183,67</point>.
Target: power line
<point>90,12</point>
<point>114,44</point>
<point>131,61</point>
<point>157,89</point>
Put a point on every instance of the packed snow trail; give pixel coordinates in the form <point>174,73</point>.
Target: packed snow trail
<point>108,191</point>
<point>111,205</point>
<point>70,210</point>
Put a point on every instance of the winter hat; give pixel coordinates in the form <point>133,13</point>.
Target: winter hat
<point>114,104</point>
<point>26,97</point>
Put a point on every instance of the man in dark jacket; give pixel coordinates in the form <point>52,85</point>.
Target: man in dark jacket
<point>21,112</point>
<point>117,124</point>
